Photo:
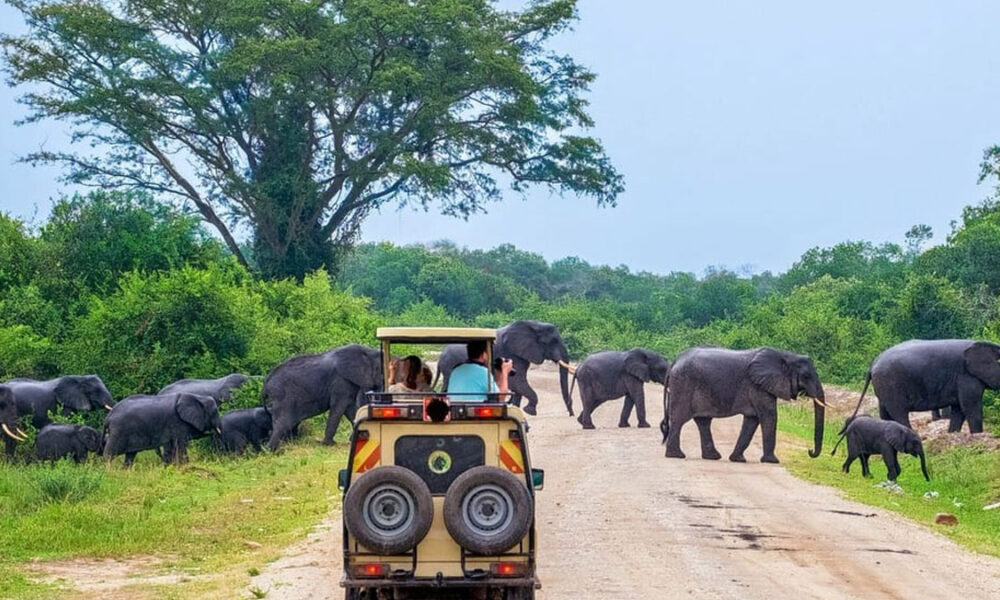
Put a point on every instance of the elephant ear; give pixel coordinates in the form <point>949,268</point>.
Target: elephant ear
<point>192,411</point>
<point>523,340</point>
<point>981,361</point>
<point>70,393</point>
<point>896,436</point>
<point>636,364</point>
<point>357,365</point>
<point>771,372</point>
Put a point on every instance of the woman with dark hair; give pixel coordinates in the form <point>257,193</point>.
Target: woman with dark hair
<point>409,375</point>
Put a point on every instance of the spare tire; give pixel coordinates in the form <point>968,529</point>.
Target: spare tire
<point>488,510</point>
<point>388,510</point>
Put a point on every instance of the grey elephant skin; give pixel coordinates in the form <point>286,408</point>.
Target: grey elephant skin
<point>245,427</point>
<point>867,436</point>
<point>609,375</point>
<point>64,395</point>
<point>217,389</point>
<point>57,441</point>
<point>524,343</point>
<point>923,375</point>
<point>10,420</point>
<point>309,385</point>
<point>167,422</point>
<point>709,383</point>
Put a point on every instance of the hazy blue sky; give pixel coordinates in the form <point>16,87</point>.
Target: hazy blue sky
<point>747,132</point>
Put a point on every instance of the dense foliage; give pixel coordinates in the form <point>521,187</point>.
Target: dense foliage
<point>297,119</point>
<point>116,284</point>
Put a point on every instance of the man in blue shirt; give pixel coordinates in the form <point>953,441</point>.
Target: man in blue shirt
<point>472,381</point>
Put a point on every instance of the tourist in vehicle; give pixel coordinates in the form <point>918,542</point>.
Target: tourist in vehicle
<point>409,375</point>
<point>472,380</point>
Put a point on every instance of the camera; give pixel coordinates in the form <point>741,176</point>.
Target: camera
<point>498,364</point>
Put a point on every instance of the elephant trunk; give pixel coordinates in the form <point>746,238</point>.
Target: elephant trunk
<point>819,415</point>
<point>923,465</point>
<point>564,386</point>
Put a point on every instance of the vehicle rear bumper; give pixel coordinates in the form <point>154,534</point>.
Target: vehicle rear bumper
<point>441,582</point>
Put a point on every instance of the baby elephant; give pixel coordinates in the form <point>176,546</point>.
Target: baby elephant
<point>247,426</point>
<point>867,436</point>
<point>57,441</point>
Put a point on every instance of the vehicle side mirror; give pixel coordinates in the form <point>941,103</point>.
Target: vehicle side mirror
<point>342,478</point>
<point>538,479</point>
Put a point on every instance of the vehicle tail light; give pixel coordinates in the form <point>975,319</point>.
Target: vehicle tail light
<point>371,570</point>
<point>486,412</point>
<point>388,412</point>
<point>509,569</point>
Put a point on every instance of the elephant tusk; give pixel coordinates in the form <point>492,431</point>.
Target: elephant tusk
<point>107,406</point>
<point>218,430</point>
<point>21,432</point>
<point>567,366</point>
<point>11,433</point>
<point>821,403</point>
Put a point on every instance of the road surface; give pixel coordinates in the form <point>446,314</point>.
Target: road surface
<point>618,520</point>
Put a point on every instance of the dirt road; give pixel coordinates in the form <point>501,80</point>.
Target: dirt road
<point>618,520</point>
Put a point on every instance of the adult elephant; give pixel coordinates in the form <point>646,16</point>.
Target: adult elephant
<point>927,374</point>
<point>167,422</point>
<point>309,385</point>
<point>608,375</point>
<point>525,343</point>
<point>710,383</point>
<point>218,389</point>
<point>66,394</point>
<point>10,421</point>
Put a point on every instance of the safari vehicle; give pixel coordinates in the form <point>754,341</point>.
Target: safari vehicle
<point>439,493</point>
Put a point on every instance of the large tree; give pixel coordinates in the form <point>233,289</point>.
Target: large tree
<point>297,118</point>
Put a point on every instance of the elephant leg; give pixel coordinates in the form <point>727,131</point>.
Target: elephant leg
<point>750,423</point>
<point>587,407</point>
<point>894,410</point>
<point>520,387</point>
<point>639,398</point>
<point>769,434</point>
<point>846,468</point>
<point>129,458</point>
<point>865,471</point>
<point>891,464</point>
<point>9,447</point>
<point>280,431</point>
<point>956,419</point>
<point>970,404</point>
<point>626,411</point>
<point>708,450</point>
<point>674,436</point>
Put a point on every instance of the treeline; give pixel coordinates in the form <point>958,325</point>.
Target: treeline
<point>841,305</point>
<point>120,285</point>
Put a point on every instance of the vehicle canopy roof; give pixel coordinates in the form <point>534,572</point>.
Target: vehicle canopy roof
<point>434,335</point>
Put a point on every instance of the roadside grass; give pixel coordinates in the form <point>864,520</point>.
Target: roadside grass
<point>965,478</point>
<point>195,519</point>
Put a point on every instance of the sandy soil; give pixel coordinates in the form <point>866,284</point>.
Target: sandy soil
<point>618,520</point>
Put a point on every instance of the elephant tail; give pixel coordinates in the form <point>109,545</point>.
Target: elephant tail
<point>665,423</point>
<point>850,419</point>
<point>571,386</point>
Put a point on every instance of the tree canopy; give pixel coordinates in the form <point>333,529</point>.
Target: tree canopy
<point>296,119</point>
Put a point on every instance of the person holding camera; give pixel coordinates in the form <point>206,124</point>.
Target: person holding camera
<point>472,380</point>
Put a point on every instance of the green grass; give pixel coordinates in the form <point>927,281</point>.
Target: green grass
<point>968,476</point>
<point>194,518</point>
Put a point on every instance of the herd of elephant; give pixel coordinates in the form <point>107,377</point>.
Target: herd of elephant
<point>701,384</point>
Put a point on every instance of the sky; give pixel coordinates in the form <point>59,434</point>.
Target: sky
<point>747,133</point>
